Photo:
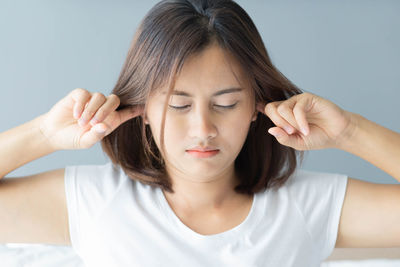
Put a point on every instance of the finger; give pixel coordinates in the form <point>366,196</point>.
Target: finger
<point>281,136</point>
<point>300,112</point>
<point>130,112</point>
<point>272,112</point>
<point>80,96</point>
<point>285,109</point>
<point>294,140</point>
<point>277,132</point>
<point>94,104</point>
<point>111,104</point>
<point>95,134</point>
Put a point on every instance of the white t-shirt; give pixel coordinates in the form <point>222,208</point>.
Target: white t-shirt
<point>115,221</point>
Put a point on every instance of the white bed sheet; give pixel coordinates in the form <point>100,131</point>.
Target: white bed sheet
<point>38,255</point>
<point>363,263</point>
<point>42,255</point>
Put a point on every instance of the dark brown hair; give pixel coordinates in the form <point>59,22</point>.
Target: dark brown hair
<point>172,31</point>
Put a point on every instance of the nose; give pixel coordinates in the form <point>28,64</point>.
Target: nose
<point>202,126</point>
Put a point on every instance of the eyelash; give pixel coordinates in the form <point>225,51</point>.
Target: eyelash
<point>224,107</point>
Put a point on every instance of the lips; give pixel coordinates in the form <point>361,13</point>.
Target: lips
<point>203,149</point>
<point>203,154</point>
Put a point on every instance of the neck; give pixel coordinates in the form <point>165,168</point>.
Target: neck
<point>204,194</point>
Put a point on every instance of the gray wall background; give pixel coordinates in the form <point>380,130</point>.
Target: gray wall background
<point>344,51</point>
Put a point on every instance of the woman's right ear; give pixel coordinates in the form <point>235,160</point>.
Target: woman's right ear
<point>144,117</point>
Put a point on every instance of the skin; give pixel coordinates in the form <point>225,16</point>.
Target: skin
<point>205,186</point>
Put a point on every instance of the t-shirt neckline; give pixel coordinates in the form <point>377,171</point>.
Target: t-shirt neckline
<point>246,225</point>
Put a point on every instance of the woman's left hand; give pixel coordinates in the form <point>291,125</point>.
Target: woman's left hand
<point>326,125</point>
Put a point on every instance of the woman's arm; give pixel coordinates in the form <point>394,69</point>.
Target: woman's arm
<point>375,144</point>
<point>370,216</point>
<point>21,145</point>
<point>59,129</point>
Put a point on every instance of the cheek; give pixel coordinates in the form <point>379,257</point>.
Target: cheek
<point>175,129</point>
<point>235,128</point>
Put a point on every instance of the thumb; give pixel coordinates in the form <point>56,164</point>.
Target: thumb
<point>95,134</point>
<point>130,112</point>
<point>282,137</point>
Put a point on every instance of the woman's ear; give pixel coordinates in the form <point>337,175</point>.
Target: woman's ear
<point>144,118</point>
<point>254,116</point>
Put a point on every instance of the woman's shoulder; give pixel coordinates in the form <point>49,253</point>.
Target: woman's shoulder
<point>309,183</point>
<point>312,176</point>
<point>103,177</point>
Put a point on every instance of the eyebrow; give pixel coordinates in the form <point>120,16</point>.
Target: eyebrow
<point>220,92</point>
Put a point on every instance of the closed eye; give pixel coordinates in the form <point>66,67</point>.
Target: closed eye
<point>219,106</point>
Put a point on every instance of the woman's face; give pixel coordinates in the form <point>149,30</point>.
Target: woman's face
<point>203,113</point>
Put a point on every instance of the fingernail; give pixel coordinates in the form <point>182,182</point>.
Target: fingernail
<point>277,135</point>
<point>99,129</point>
<point>288,129</point>
<point>304,131</point>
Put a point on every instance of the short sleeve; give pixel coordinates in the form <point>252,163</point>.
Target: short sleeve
<point>70,194</point>
<point>319,197</point>
<point>87,190</point>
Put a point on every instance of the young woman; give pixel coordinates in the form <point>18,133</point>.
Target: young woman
<point>204,134</point>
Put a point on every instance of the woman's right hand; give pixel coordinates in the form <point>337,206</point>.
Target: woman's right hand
<point>62,129</point>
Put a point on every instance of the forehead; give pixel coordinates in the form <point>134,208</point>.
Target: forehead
<point>211,67</point>
<point>211,70</point>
